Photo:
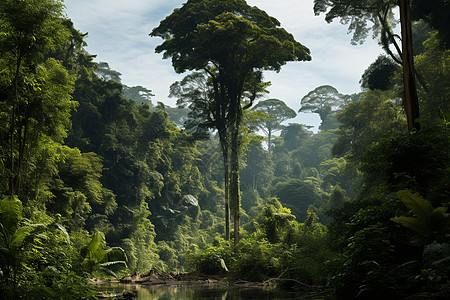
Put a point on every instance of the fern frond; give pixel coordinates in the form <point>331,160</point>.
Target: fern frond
<point>106,270</point>
<point>418,205</point>
<point>10,213</point>
<point>19,236</point>
<point>440,210</point>
<point>118,253</point>
<point>428,220</point>
<point>104,267</point>
<point>414,224</point>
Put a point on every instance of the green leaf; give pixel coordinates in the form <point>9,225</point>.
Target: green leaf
<point>112,263</point>
<point>26,234</point>
<point>66,234</point>
<point>96,247</point>
<point>222,263</point>
<point>10,213</point>
<point>19,236</point>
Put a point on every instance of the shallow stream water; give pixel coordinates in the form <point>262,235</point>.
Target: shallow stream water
<point>188,292</point>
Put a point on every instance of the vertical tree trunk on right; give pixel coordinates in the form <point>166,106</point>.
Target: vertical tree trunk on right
<point>409,81</point>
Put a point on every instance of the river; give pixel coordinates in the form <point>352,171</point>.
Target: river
<point>189,292</point>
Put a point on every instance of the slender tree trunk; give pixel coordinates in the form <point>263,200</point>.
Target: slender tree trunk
<point>236,117</point>
<point>227,202</point>
<point>234,184</point>
<point>409,81</point>
<point>221,127</point>
<point>226,168</point>
<point>14,113</point>
<point>12,188</point>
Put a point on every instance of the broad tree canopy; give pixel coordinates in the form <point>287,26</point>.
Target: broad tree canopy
<point>379,75</point>
<point>277,112</point>
<point>322,100</point>
<point>230,35</point>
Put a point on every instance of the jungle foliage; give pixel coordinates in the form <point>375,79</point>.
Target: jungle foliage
<point>96,180</point>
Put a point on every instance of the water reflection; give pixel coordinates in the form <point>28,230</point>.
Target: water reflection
<point>188,292</point>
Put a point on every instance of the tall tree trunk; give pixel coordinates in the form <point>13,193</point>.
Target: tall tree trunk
<point>15,113</point>
<point>234,183</point>
<point>226,167</point>
<point>220,113</point>
<point>409,81</point>
<point>236,117</point>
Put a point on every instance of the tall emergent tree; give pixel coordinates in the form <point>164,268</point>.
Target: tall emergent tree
<point>322,100</point>
<point>277,112</point>
<point>206,111</point>
<point>233,42</point>
<point>380,12</point>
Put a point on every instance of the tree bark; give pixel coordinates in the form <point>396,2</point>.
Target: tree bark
<point>226,167</point>
<point>410,90</point>
<point>235,121</point>
<point>269,135</point>
<point>234,184</point>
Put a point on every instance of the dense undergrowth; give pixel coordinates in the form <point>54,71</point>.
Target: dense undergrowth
<point>281,251</point>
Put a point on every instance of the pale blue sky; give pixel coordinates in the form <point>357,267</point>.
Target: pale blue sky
<point>118,34</point>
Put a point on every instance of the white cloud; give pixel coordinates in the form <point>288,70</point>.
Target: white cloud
<point>118,34</point>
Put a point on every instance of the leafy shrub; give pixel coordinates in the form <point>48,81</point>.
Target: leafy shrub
<point>436,258</point>
<point>168,254</point>
<point>258,260</point>
<point>211,260</point>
